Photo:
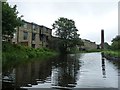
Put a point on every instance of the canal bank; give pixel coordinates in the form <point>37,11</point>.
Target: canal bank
<point>112,55</point>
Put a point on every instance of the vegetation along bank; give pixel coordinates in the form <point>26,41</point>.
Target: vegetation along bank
<point>113,51</point>
<point>16,53</point>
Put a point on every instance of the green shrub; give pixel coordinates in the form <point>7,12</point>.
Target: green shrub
<point>13,54</point>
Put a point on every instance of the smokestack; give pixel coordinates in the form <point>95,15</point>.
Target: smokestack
<point>102,39</point>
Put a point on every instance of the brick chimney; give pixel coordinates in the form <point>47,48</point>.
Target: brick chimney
<point>102,39</point>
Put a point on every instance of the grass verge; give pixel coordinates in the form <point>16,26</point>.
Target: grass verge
<point>112,53</point>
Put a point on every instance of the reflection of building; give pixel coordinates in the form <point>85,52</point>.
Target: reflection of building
<point>32,35</point>
<point>32,73</point>
<point>88,45</point>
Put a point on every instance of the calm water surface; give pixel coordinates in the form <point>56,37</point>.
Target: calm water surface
<point>87,70</point>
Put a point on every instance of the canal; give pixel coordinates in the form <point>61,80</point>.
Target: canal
<point>73,71</point>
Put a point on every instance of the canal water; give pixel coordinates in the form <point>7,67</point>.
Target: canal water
<point>86,70</point>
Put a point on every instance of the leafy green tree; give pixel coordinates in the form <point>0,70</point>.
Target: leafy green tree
<point>67,32</point>
<point>117,38</point>
<point>106,45</point>
<point>10,20</point>
<point>116,43</point>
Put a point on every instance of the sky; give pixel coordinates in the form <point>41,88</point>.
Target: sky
<point>90,16</point>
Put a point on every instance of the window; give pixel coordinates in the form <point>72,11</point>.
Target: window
<point>40,31</point>
<point>41,37</point>
<point>46,38</point>
<point>33,27</point>
<point>33,36</point>
<point>25,35</point>
<point>46,30</point>
<point>33,45</point>
<point>46,45</point>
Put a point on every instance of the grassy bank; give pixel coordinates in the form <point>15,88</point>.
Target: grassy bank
<point>112,53</point>
<point>13,54</point>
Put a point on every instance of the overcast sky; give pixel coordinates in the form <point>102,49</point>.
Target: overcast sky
<point>90,16</point>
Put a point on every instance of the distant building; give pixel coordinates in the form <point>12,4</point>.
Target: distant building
<point>88,45</point>
<point>32,35</point>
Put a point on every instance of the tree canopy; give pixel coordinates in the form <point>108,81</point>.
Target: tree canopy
<point>66,30</point>
<point>116,43</point>
<point>117,38</point>
<point>10,19</point>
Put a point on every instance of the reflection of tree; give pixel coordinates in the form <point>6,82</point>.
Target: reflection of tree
<point>67,67</point>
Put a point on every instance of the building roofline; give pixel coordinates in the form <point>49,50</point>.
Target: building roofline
<point>36,24</point>
<point>26,21</point>
<point>46,27</point>
<point>88,40</point>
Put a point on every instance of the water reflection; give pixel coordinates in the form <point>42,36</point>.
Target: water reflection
<point>28,74</point>
<point>65,71</point>
<point>60,71</point>
<point>103,66</point>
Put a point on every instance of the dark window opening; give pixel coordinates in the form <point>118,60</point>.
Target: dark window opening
<point>46,38</point>
<point>46,45</point>
<point>25,35</point>
<point>40,31</point>
<point>41,37</point>
<point>33,45</point>
<point>33,36</point>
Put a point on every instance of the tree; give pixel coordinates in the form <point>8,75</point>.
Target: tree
<point>106,45</point>
<point>67,32</point>
<point>116,43</point>
<point>10,20</point>
<point>117,38</point>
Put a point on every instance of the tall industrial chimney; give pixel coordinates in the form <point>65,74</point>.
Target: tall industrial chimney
<point>102,39</point>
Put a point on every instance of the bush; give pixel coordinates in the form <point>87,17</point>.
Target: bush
<point>16,53</point>
<point>116,43</point>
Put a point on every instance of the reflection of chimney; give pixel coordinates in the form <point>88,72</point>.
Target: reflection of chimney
<point>103,68</point>
<point>102,39</point>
